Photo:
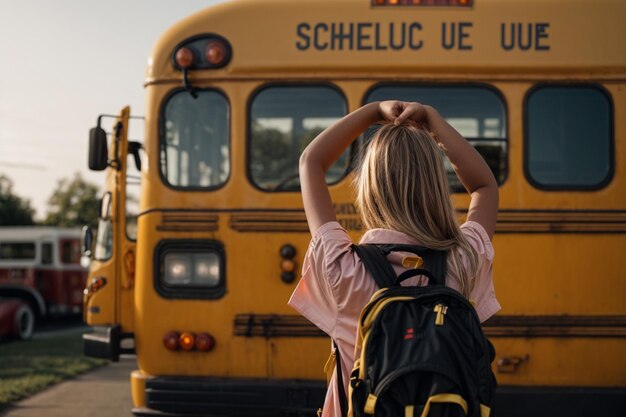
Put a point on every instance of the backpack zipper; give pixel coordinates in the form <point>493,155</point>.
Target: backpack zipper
<point>441,311</point>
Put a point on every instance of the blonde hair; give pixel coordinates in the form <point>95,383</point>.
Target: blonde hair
<point>402,185</point>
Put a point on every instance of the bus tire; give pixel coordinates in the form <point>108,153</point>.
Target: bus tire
<point>24,322</point>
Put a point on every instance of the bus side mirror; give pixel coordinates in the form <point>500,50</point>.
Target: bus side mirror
<point>98,149</point>
<point>86,242</point>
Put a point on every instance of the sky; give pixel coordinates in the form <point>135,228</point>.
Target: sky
<point>63,63</point>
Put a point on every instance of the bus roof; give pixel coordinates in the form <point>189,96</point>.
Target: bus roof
<point>352,38</point>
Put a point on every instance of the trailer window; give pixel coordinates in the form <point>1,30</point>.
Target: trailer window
<point>17,250</point>
<point>47,254</point>
<point>70,251</point>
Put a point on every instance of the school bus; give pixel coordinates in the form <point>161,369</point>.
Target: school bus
<point>235,92</point>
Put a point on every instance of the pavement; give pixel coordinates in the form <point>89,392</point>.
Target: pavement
<point>104,392</point>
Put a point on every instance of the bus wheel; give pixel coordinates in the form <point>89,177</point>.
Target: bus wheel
<point>24,322</point>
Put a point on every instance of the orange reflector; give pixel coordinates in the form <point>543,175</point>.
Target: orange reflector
<point>288,265</point>
<point>215,52</point>
<point>170,340</point>
<point>95,285</point>
<point>186,341</point>
<point>205,342</point>
<point>184,57</point>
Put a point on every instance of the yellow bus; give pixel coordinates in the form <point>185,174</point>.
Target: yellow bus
<point>233,95</point>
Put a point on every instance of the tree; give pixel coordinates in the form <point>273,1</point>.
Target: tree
<point>73,203</point>
<point>14,211</point>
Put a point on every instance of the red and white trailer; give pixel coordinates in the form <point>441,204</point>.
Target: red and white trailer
<point>40,275</point>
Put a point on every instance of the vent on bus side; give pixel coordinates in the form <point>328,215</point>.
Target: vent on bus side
<point>269,221</point>
<point>188,222</point>
<point>274,325</point>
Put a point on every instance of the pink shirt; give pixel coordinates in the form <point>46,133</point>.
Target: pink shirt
<point>335,287</point>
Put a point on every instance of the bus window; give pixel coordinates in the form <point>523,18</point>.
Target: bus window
<point>478,113</point>
<point>104,241</point>
<point>17,250</point>
<point>283,121</point>
<point>133,178</point>
<point>46,253</point>
<point>569,137</point>
<point>194,149</point>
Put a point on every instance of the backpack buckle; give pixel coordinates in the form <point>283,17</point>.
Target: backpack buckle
<point>412,262</point>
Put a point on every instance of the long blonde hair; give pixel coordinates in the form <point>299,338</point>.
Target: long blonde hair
<point>402,185</point>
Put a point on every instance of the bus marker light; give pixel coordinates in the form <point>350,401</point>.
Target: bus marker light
<point>205,342</point>
<point>215,52</point>
<point>288,265</point>
<point>287,251</point>
<point>288,277</point>
<point>96,284</point>
<point>184,57</point>
<point>170,340</point>
<point>186,341</point>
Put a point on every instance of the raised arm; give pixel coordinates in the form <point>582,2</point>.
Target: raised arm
<point>469,166</point>
<point>320,155</point>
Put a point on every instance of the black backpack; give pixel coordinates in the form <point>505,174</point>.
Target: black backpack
<point>423,352</point>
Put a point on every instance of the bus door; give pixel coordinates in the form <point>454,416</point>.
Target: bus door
<point>109,293</point>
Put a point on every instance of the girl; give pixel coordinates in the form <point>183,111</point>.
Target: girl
<point>402,195</point>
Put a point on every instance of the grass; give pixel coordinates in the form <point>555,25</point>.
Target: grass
<point>27,367</point>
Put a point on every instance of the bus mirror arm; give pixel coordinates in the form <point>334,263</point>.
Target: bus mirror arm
<point>86,239</point>
<point>187,85</point>
<point>133,149</point>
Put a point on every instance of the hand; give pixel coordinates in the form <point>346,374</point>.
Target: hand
<point>400,111</point>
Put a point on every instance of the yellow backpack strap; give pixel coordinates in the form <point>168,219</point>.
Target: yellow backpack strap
<point>442,398</point>
<point>329,367</point>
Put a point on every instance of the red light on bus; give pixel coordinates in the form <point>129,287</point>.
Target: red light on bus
<point>288,265</point>
<point>215,52</point>
<point>184,57</point>
<point>205,342</point>
<point>96,284</point>
<point>186,340</point>
<point>170,340</point>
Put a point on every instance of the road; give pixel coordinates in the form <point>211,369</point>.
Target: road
<point>104,392</point>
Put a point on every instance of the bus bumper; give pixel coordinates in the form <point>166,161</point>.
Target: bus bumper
<point>231,397</point>
<point>105,342</point>
<point>518,401</point>
<point>249,397</point>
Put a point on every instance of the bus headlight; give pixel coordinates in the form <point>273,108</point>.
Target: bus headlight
<point>190,269</point>
<point>177,269</point>
<point>197,269</point>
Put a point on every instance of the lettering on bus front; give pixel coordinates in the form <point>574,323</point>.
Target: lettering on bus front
<point>376,36</point>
